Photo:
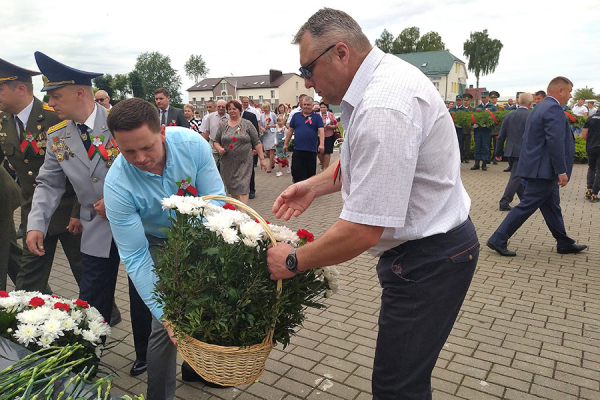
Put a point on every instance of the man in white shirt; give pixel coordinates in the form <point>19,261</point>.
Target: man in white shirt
<point>246,107</point>
<point>403,198</point>
<point>580,109</point>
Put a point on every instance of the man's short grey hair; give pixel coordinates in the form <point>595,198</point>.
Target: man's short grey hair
<point>334,26</point>
<point>525,98</point>
<point>307,98</point>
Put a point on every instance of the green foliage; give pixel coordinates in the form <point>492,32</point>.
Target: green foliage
<point>430,41</point>
<point>580,153</point>
<point>154,71</point>
<point>583,93</point>
<point>195,68</point>
<point>105,83</point>
<point>222,293</point>
<point>483,53</point>
<point>409,41</point>
<point>137,85</point>
<point>121,86</point>
<point>484,119</point>
<point>385,41</point>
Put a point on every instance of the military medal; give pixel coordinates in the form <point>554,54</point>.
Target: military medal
<point>41,153</point>
<point>40,144</point>
<point>84,136</point>
<point>60,157</point>
<point>39,127</point>
<point>109,163</point>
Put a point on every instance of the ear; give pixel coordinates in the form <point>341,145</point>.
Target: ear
<point>342,52</point>
<point>163,131</point>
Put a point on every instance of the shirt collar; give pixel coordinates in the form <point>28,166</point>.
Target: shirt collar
<point>361,80</point>
<point>24,114</point>
<point>89,122</point>
<point>552,99</point>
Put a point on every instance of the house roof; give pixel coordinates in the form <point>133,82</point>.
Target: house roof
<point>244,82</point>
<point>431,62</point>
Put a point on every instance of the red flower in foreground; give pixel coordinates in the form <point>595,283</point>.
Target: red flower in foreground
<point>231,146</point>
<point>81,303</point>
<point>36,302</point>
<point>304,234</point>
<point>3,293</point>
<point>229,206</point>
<point>55,296</point>
<point>234,139</point>
<point>258,222</point>
<point>62,306</point>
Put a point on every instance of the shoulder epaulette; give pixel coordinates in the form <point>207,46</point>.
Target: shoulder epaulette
<point>58,126</point>
<point>48,108</point>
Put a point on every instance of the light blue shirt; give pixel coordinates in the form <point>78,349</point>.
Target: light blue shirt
<point>132,198</point>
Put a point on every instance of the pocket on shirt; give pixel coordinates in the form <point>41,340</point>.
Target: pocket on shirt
<point>8,149</point>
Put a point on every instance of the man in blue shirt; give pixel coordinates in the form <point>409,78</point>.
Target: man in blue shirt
<point>309,139</point>
<point>151,165</point>
<point>483,134</point>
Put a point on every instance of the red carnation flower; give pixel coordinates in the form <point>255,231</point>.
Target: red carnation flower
<point>36,302</point>
<point>3,293</point>
<point>304,234</point>
<point>55,296</point>
<point>62,306</point>
<point>229,206</point>
<point>234,139</point>
<point>230,146</point>
<point>81,303</point>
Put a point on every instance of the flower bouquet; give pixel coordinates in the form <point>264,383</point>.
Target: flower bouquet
<point>215,287</point>
<point>37,321</point>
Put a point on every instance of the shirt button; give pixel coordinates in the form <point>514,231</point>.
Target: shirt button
<point>25,161</point>
<point>29,173</point>
<point>470,257</point>
<point>35,185</point>
<point>95,180</point>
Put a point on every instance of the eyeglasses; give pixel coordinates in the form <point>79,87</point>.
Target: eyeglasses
<point>100,100</point>
<point>305,71</point>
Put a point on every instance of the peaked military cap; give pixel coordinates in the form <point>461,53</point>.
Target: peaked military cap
<point>495,94</point>
<point>485,93</point>
<point>10,72</point>
<point>459,97</point>
<point>57,75</point>
<point>467,96</point>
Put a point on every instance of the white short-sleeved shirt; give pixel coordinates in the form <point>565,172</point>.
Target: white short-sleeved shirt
<point>211,123</point>
<point>579,110</point>
<point>400,160</point>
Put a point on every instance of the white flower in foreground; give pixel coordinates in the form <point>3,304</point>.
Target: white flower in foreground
<point>35,316</point>
<point>57,314</point>
<point>252,230</point>
<point>51,328</point>
<point>77,315</point>
<point>93,314</point>
<point>26,333</point>
<point>230,236</point>
<point>185,208</point>
<point>46,340</point>
<point>249,243</point>
<point>10,303</point>
<point>218,222</point>
<point>99,328</point>
<point>68,324</point>
<point>284,234</point>
<point>170,202</point>
<point>89,336</point>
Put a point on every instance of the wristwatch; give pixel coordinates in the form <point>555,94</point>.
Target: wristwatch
<point>291,262</point>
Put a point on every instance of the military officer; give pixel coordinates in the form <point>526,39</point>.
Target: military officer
<point>10,251</point>
<point>25,121</point>
<point>82,149</point>
<point>458,106</point>
<point>482,134</point>
<point>494,95</point>
<point>467,132</point>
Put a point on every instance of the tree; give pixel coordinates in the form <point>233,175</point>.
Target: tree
<point>195,68</point>
<point>105,83</point>
<point>385,42</point>
<point>430,41</point>
<point>154,71</point>
<point>137,85</point>
<point>406,42</point>
<point>483,54</point>
<point>584,93</point>
<point>121,85</point>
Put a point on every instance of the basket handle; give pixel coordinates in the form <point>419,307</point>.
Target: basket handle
<point>250,211</point>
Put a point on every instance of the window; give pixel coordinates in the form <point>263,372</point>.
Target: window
<point>251,97</point>
<point>260,99</point>
<point>437,85</point>
<point>211,98</point>
<point>272,94</point>
<point>224,86</point>
<point>457,68</point>
<point>296,96</point>
<point>202,100</point>
<point>194,100</point>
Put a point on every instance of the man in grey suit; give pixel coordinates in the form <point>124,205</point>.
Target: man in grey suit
<point>169,116</point>
<point>82,149</point>
<point>513,128</point>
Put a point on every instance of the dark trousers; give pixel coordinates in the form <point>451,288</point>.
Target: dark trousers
<point>460,136</point>
<point>252,185</point>
<point>466,145</point>
<point>482,144</point>
<point>10,251</point>
<point>593,175</point>
<point>514,186</point>
<point>424,284</point>
<point>304,165</point>
<point>493,144</point>
<point>98,280</point>
<point>141,322</point>
<point>34,271</point>
<point>542,194</point>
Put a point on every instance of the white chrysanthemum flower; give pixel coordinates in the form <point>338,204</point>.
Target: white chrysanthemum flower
<point>197,202</point>
<point>252,230</point>
<point>46,340</point>
<point>77,315</point>
<point>230,236</point>
<point>249,243</point>
<point>284,234</point>
<point>68,324</point>
<point>57,314</point>
<point>34,316</point>
<point>89,336</point>
<point>26,333</point>
<point>217,222</point>
<point>77,331</point>
<point>170,202</point>
<point>52,328</point>
<point>99,328</point>
<point>236,217</point>
<point>93,314</point>
<point>185,208</point>
<point>10,303</point>
<point>98,352</point>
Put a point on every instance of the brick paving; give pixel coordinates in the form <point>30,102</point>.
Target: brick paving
<point>528,328</point>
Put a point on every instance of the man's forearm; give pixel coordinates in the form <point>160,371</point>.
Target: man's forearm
<point>322,183</point>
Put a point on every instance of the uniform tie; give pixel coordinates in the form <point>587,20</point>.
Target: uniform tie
<point>19,124</point>
<point>85,138</point>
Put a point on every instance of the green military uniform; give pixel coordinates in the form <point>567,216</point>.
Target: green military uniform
<point>26,152</point>
<point>10,251</point>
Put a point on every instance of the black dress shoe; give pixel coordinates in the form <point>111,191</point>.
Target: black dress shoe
<point>189,375</point>
<point>138,368</point>
<point>503,251</point>
<point>506,169</point>
<point>505,208</point>
<point>495,162</point>
<point>574,248</point>
<point>115,316</point>
<point>252,195</point>
<point>484,166</point>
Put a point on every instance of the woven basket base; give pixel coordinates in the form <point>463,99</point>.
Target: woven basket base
<point>227,366</point>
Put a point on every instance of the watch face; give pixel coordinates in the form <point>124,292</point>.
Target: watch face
<point>290,262</point>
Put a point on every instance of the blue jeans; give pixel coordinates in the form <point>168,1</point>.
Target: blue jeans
<point>424,284</point>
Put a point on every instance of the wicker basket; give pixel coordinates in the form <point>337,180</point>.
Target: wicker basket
<point>229,365</point>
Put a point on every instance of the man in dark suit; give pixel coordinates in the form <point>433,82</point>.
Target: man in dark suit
<point>250,116</point>
<point>513,128</point>
<point>10,252</point>
<point>169,116</point>
<point>25,121</point>
<point>545,164</point>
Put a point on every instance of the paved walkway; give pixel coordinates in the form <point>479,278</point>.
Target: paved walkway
<point>528,328</point>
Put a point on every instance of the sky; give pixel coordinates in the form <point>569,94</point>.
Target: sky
<point>542,39</point>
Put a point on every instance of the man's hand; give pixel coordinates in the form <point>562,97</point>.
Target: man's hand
<point>35,242</point>
<point>75,226</point>
<point>285,147</point>
<point>99,208</point>
<point>167,325</point>
<point>563,179</point>
<point>276,259</point>
<point>321,149</point>
<point>293,201</point>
